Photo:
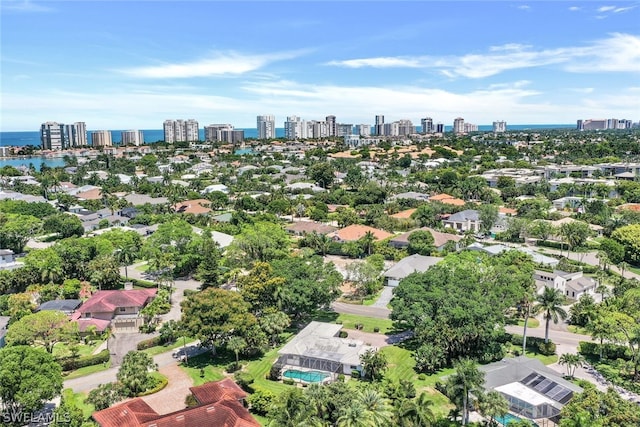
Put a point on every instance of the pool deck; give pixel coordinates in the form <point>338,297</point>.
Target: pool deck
<point>329,376</point>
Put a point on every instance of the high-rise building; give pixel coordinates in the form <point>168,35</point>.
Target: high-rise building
<point>181,131</point>
<point>363,130</point>
<point>405,127</point>
<point>52,136</point>
<point>499,126</point>
<point>101,138</point>
<point>76,134</point>
<point>379,126</point>
<point>458,125</point>
<point>132,137</point>
<point>331,125</point>
<point>266,125</point>
<point>439,128</point>
<point>470,127</point>
<point>595,124</point>
<point>427,125</point>
<point>213,132</point>
<point>344,129</point>
<point>294,128</point>
<point>580,125</point>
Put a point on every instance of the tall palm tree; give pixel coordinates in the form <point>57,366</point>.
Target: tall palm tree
<point>354,415</point>
<point>550,303</point>
<point>492,405</point>
<point>126,255</point>
<point>415,412</point>
<point>527,300</point>
<point>236,344</point>
<point>377,407</point>
<point>466,379</point>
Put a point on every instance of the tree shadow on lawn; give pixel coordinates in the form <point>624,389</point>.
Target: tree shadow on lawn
<point>221,359</point>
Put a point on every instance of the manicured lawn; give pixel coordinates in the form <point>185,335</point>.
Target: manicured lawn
<point>142,267</point>
<point>578,330</point>
<point>531,323</point>
<point>547,360</point>
<point>153,351</point>
<point>79,400</point>
<point>401,367</point>
<point>87,370</point>
<point>62,349</point>
<point>350,320</point>
<point>372,298</point>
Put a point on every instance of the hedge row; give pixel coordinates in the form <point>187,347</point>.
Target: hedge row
<point>148,343</point>
<point>162,382</point>
<point>69,364</point>
<point>143,283</point>
<point>535,344</point>
<point>609,351</point>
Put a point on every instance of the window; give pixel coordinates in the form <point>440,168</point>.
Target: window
<point>121,309</point>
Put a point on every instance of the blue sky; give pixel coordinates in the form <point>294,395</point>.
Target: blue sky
<point>127,64</point>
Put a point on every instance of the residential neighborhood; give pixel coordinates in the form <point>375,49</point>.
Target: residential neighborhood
<point>475,284</point>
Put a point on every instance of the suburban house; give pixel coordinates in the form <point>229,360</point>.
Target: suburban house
<point>532,390</point>
<point>355,232</point>
<point>408,265</point>
<point>8,260</point>
<point>120,308</point>
<point>301,228</point>
<point>405,214</point>
<point>220,403</point>
<point>440,239</point>
<point>318,347</point>
<point>463,221</point>
<point>67,306</point>
<point>411,195</point>
<point>196,207</point>
<point>572,285</point>
<point>537,257</point>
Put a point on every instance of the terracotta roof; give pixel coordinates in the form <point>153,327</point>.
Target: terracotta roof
<point>225,411</point>
<point>406,214</point>
<point>445,198</point>
<point>84,323</point>
<point>302,227</point>
<point>215,391</point>
<point>507,211</point>
<point>108,301</point>
<point>630,206</point>
<point>95,194</point>
<point>354,232</point>
<point>197,206</point>
<point>333,208</point>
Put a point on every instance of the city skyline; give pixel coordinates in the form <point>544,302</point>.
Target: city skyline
<point>524,63</point>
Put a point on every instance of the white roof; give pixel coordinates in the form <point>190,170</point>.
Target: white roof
<point>525,394</point>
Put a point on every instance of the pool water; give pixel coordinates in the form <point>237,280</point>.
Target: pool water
<point>508,418</point>
<point>306,376</point>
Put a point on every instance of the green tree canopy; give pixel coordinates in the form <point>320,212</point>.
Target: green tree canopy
<point>45,328</point>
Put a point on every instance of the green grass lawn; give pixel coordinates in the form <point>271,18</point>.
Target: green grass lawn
<point>531,323</point>
<point>578,330</point>
<point>401,367</point>
<point>153,351</point>
<point>61,349</point>
<point>79,400</point>
<point>350,320</point>
<point>142,267</point>
<point>87,370</point>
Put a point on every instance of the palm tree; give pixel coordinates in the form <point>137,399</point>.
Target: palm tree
<point>367,241</point>
<point>126,255</point>
<point>571,361</point>
<point>353,415</point>
<point>550,303</point>
<point>529,297</point>
<point>236,344</point>
<point>466,379</point>
<point>377,407</point>
<point>623,266</point>
<point>492,405</point>
<point>415,412</point>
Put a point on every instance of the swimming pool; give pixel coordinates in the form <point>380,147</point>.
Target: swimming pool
<point>508,418</point>
<point>305,376</point>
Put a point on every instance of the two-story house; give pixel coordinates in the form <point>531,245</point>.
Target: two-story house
<point>572,285</point>
<point>120,308</point>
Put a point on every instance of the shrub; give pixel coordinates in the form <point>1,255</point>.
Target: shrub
<point>233,367</point>
<point>244,380</point>
<point>159,382</point>
<point>260,402</point>
<point>143,283</point>
<point>355,374</point>
<point>148,343</point>
<point>609,351</point>
<point>547,349</point>
<point>343,334</point>
<point>69,364</point>
<point>422,377</point>
<point>288,381</point>
<point>190,401</point>
<point>376,329</point>
<point>274,373</point>
<point>189,292</point>
<point>341,378</point>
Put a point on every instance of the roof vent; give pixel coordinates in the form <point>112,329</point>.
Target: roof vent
<point>211,409</point>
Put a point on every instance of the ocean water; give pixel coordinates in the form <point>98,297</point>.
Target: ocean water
<point>10,139</point>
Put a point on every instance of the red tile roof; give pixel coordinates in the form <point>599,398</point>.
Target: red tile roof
<point>445,198</point>
<point>109,301</point>
<point>219,390</point>
<point>226,411</point>
<point>197,206</point>
<point>404,214</point>
<point>84,323</point>
<point>355,232</point>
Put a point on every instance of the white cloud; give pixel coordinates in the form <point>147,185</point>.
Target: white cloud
<point>524,7</point>
<point>618,53</point>
<point>574,8</point>
<point>606,8</point>
<point>218,64</point>
<point>23,6</point>
<point>380,62</point>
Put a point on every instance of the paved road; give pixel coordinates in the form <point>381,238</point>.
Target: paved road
<point>89,382</point>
